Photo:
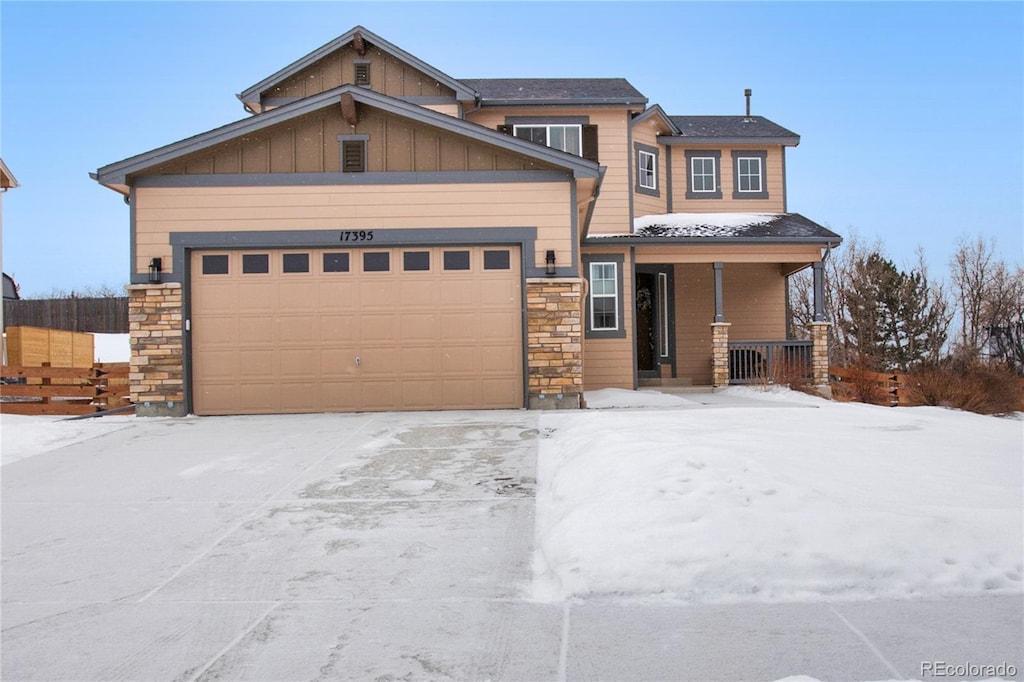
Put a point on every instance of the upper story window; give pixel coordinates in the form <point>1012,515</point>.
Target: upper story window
<point>646,169</point>
<point>704,169</point>
<point>567,138</point>
<point>749,175</point>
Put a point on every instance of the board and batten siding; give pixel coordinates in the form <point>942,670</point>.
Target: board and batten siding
<point>611,214</point>
<point>160,211</point>
<point>775,203</point>
<point>310,144</point>
<point>388,75</point>
<point>608,363</point>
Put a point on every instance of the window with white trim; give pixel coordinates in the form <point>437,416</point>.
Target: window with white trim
<point>749,174</point>
<point>647,169</point>
<point>604,296</point>
<point>567,138</point>
<point>702,170</point>
<point>749,180</point>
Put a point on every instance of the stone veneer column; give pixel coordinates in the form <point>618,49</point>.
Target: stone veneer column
<point>819,358</point>
<point>720,353</point>
<point>554,343</point>
<point>155,329</point>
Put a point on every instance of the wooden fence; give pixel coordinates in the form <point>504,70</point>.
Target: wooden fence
<point>35,347</point>
<point>108,315</point>
<point>861,384</point>
<point>64,390</point>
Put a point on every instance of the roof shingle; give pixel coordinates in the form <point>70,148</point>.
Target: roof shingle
<point>538,90</point>
<point>729,126</point>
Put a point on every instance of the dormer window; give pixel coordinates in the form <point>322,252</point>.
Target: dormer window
<point>362,73</point>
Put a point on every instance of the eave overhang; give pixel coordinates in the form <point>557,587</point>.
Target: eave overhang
<point>7,179</point>
<point>565,102</point>
<point>688,139</point>
<point>655,112</point>
<point>116,175</point>
<point>250,97</point>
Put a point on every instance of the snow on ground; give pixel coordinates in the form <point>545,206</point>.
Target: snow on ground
<point>846,501</point>
<point>24,436</point>
<point>111,348</point>
<point>617,397</point>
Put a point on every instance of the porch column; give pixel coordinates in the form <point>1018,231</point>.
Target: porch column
<point>819,358</point>
<point>819,291</point>
<point>155,331</point>
<point>719,305</point>
<point>720,354</point>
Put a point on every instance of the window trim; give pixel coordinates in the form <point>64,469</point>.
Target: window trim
<point>716,156</point>
<point>762,157</point>
<point>654,153</point>
<point>618,261</point>
<point>547,133</point>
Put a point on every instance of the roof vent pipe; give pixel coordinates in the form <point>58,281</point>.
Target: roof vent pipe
<point>747,93</point>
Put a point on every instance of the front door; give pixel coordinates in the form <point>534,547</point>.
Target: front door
<point>654,321</point>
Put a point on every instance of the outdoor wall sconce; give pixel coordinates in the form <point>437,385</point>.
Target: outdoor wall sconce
<point>155,267</point>
<point>549,259</point>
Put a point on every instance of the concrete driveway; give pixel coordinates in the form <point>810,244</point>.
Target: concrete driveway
<point>379,547</point>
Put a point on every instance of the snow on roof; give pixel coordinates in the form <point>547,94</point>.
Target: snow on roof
<point>700,224</point>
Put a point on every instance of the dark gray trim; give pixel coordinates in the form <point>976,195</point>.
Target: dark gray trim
<point>350,138</point>
<point>819,291</point>
<point>133,240</point>
<point>186,332</point>
<point>251,94</point>
<point>116,173</point>
<point>718,266</point>
<point>657,270</point>
<point>703,154</point>
<point>524,331</point>
<point>785,191</point>
<point>738,154</point>
<point>654,151</point>
<point>675,139</point>
<point>629,173</point>
<point>564,102</point>
<point>619,333</point>
<point>631,240</point>
<point>575,219</point>
<point>376,178</point>
<point>668,179</point>
<point>593,204</point>
<point>546,120</point>
<point>278,101</point>
<point>636,370</point>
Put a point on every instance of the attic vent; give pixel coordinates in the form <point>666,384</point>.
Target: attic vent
<point>362,73</point>
<point>353,156</point>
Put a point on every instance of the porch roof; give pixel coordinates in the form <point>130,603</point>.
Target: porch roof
<point>736,228</point>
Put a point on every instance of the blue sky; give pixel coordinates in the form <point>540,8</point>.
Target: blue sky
<point>910,114</point>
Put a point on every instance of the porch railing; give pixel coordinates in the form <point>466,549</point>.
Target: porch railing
<point>769,362</point>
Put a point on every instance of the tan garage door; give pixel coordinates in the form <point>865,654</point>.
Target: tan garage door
<point>325,330</point>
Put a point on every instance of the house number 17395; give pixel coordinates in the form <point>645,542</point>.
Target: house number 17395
<point>357,236</point>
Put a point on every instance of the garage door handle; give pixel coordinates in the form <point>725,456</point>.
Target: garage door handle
<point>358,361</point>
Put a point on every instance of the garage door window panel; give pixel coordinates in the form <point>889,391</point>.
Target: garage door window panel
<point>336,262</point>
<point>295,263</point>
<point>376,261</point>
<point>255,263</point>
<point>416,261</point>
<point>215,264</point>
<point>456,260</point>
<point>497,260</point>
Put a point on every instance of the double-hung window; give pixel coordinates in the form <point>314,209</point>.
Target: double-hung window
<point>749,175</point>
<point>567,138</point>
<point>704,174</point>
<point>646,169</point>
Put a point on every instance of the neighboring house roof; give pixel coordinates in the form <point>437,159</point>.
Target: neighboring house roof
<point>115,175</point>
<point>534,91</point>
<point>251,95</point>
<point>718,129</point>
<point>10,288</point>
<point>7,179</point>
<point>723,227</point>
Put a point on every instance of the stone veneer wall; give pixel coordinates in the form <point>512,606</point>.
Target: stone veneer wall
<point>554,339</point>
<point>157,372</point>
<point>720,353</point>
<point>819,358</point>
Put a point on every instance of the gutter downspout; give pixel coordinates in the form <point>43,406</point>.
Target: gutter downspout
<point>593,202</point>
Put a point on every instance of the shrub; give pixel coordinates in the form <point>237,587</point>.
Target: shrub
<point>969,385</point>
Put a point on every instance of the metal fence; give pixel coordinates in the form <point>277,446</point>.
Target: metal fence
<point>769,362</point>
<point>108,315</point>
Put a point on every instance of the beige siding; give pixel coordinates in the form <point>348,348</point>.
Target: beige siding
<point>695,311</point>
<point>728,253</point>
<point>387,75</point>
<point>645,204</point>
<point>608,363</point>
<point>446,109</point>
<point>160,211</point>
<point>775,183</point>
<point>310,145</point>
<point>611,215</point>
<point>754,298</point>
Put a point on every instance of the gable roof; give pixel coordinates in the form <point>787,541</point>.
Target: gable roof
<point>7,179</point>
<point>533,91</point>
<point>115,175</point>
<point>251,94</point>
<point>718,129</point>
<point>654,111</point>
<point>705,228</point>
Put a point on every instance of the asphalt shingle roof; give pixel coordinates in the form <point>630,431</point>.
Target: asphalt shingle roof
<point>595,90</point>
<point>744,226</point>
<point>728,126</point>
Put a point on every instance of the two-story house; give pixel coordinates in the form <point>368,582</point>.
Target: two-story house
<point>378,235</point>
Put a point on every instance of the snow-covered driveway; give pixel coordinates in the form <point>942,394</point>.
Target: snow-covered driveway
<point>274,548</point>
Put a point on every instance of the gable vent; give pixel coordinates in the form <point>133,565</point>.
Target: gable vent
<point>353,156</point>
<point>362,73</point>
